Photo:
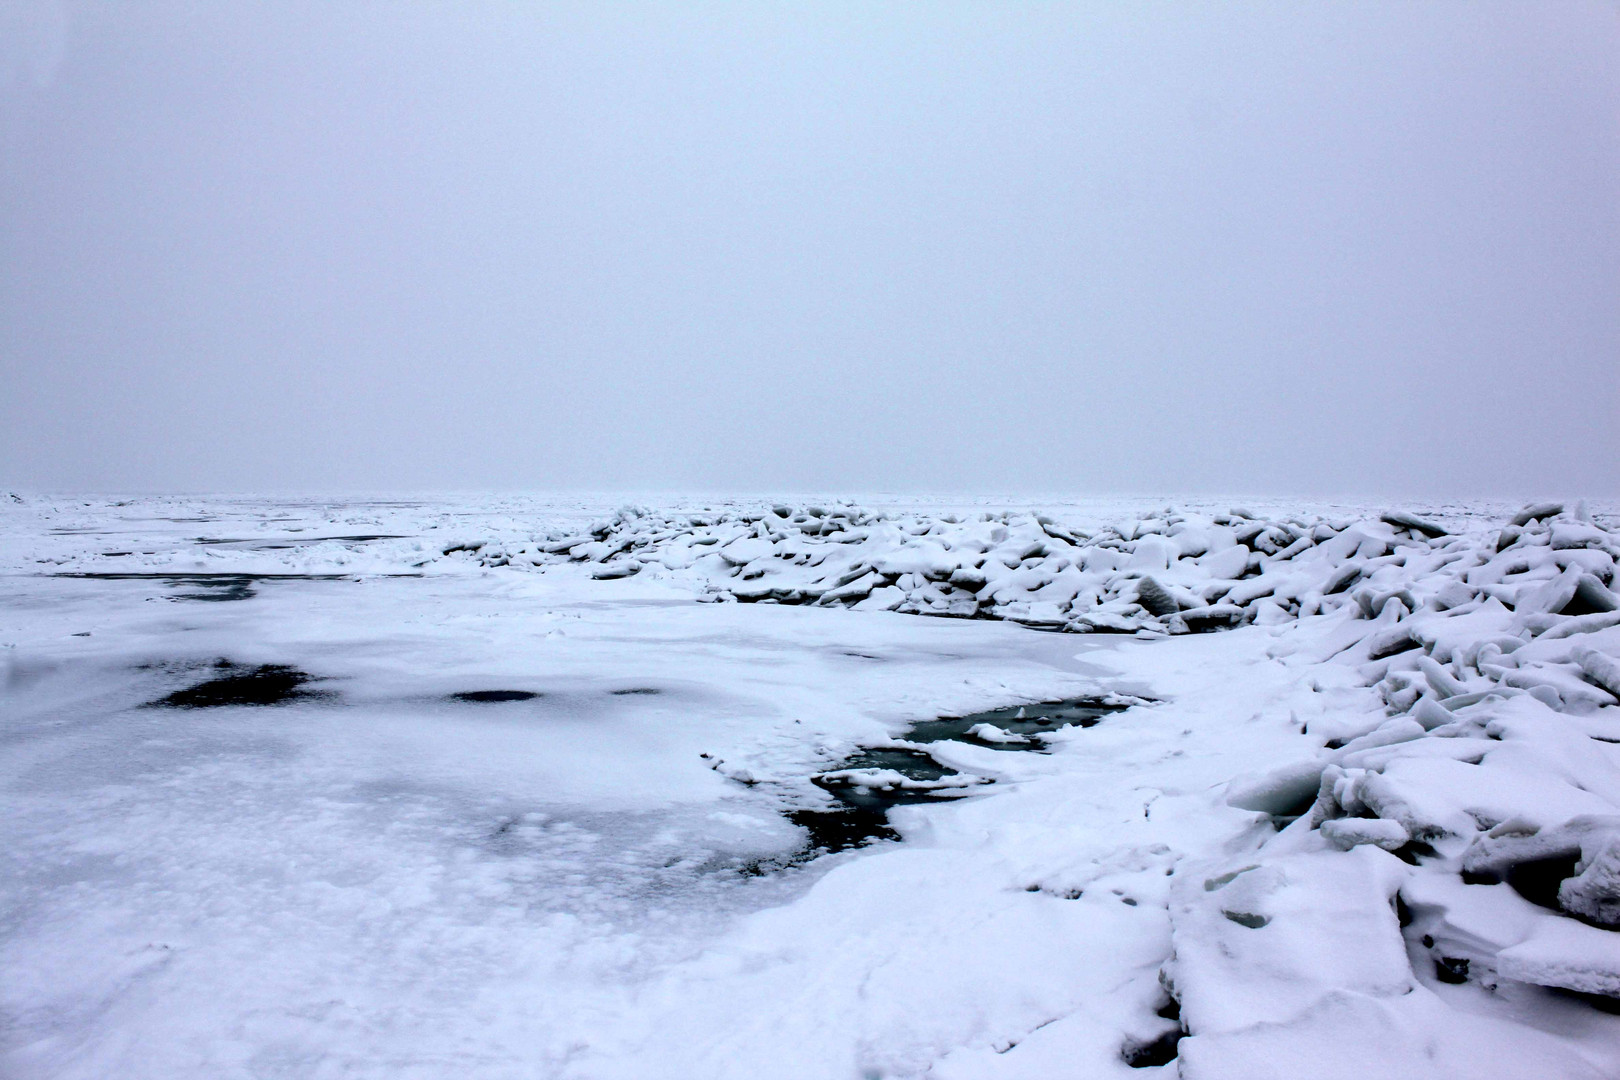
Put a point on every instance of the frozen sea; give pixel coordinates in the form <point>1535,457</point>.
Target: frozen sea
<point>460,806</point>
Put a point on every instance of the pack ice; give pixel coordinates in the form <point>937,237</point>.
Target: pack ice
<point>522,788</point>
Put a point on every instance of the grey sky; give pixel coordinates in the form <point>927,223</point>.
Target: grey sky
<point>1318,248</point>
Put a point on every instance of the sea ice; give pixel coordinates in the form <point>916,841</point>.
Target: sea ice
<point>476,788</point>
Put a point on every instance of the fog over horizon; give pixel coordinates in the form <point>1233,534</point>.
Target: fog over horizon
<point>1350,248</point>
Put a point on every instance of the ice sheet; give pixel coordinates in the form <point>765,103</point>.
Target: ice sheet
<point>377,877</point>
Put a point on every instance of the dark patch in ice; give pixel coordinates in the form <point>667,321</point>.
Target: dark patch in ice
<point>1165,1048</point>
<point>1538,880</point>
<point>267,684</point>
<point>1290,814</point>
<point>216,586</point>
<point>1026,720</point>
<point>1247,918</point>
<point>913,764</point>
<point>1600,1002</point>
<point>1155,597</point>
<point>842,828</point>
<point>862,814</point>
<point>282,543</point>
<point>1161,1051</point>
<point>1209,621</point>
<point>495,695</point>
<point>1061,894</point>
<point>1413,850</point>
<point>217,589</point>
<point>201,575</point>
<point>1587,600</point>
<point>1451,969</point>
<point>631,690</point>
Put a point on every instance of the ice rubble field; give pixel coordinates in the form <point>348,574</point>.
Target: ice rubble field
<point>1364,821</point>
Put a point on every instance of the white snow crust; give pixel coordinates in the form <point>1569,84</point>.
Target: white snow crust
<point>1361,818</point>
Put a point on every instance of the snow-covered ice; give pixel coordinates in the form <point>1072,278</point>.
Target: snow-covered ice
<point>518,788</point>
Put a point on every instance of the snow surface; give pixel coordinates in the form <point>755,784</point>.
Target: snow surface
<point>1365,824</point>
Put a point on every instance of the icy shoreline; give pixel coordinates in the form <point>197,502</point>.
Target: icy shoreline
<point>1379,809</point>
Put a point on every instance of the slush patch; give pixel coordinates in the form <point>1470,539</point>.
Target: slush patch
<point>870,781</point>
<point>842,828</point>
<point>1019,720</point>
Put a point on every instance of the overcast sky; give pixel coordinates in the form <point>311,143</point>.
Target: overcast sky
<point>1360,248</point>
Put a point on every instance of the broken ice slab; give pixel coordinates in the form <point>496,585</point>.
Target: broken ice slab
<point>1566,954</point>
<point>1402,520</point>
<point>1536,511</point>
<point>1286,791</point>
